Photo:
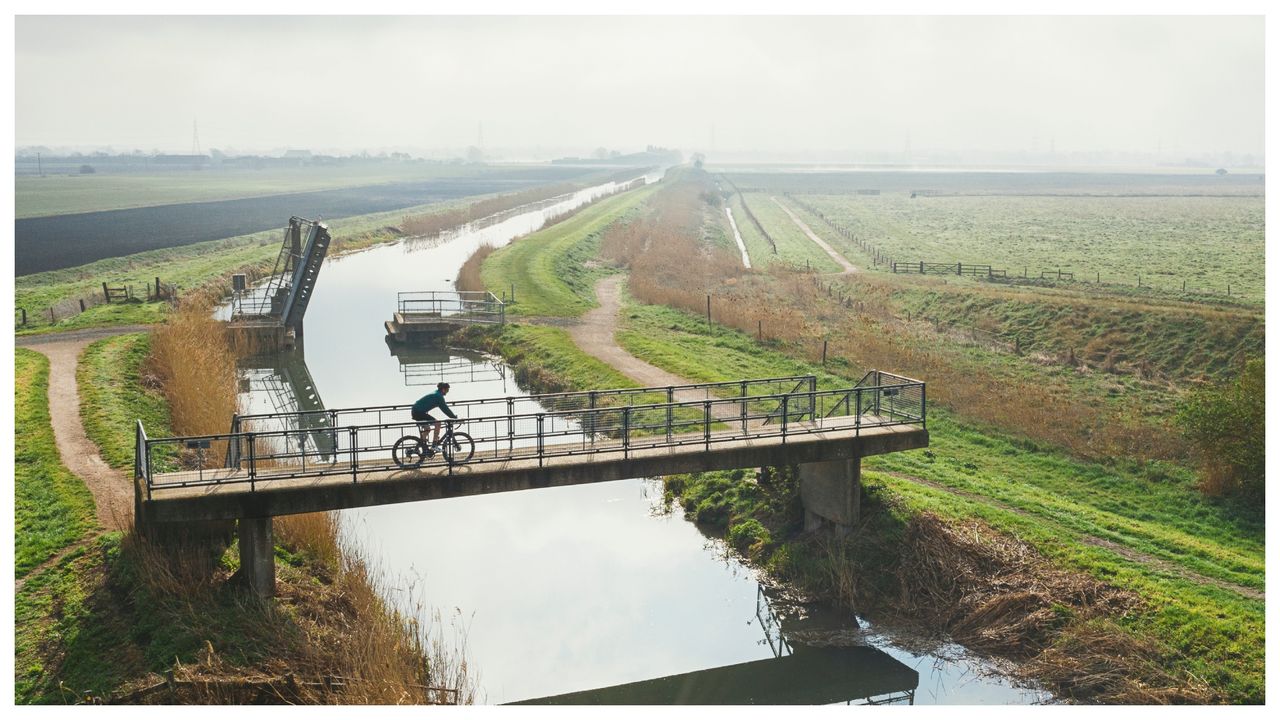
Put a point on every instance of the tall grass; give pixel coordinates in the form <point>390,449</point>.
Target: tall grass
<point>469,273</point>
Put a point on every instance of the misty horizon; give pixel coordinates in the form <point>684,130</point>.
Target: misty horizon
<point>856,89</point>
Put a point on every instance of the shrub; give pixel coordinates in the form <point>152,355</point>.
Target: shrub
<point>748,535</point>
<point>1226,425</point>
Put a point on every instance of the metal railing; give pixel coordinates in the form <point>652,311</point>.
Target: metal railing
<point>459,306</point>
<point>256,456</point>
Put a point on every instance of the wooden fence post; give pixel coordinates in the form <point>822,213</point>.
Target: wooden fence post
<point>824,353</point>
<point>708,314</point>
<point>81,304</point>
<point>24,316</point>
<point>52,319</point>
<point>759,330</point>
<point>105,294</point>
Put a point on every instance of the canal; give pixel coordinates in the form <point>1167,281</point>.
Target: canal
<point>570,590</point>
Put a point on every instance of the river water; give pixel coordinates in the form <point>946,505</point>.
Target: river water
<point>568,590</point>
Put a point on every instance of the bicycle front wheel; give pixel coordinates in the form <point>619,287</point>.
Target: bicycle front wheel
<point>458,449</point>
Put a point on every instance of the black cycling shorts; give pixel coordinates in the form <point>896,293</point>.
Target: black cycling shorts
<point>423,417</point>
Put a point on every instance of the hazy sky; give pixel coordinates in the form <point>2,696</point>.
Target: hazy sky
<point>777,84</point>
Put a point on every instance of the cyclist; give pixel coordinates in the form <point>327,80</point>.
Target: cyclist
<point>422,414</point>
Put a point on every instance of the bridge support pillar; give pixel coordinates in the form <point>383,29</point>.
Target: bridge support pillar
<point>831,492</point>
<point>258,556</point>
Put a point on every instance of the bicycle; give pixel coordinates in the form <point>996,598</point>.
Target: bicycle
<point>457,448</point>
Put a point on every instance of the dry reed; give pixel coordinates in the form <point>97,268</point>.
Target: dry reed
<point>469,273</point>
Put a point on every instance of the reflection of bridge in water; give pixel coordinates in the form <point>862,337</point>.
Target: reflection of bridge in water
<point>289,463</point>
<point>797,674</point>
<point>430,365</point>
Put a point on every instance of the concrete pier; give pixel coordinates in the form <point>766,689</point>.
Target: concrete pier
<point>257,555</point>
<point>831,491</point>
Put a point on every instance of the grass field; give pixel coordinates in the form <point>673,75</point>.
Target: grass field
<point>1208,242</point>
<point>61,194</point>
<point>794,247</point>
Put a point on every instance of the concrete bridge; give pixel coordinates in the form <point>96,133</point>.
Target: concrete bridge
<point>286,463</point>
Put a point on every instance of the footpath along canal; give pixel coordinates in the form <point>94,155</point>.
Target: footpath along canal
<point>571,589</point>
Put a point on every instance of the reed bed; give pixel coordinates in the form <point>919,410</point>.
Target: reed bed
<point>469,274</point>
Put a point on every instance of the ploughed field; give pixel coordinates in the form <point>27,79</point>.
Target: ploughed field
<point>61,241</point>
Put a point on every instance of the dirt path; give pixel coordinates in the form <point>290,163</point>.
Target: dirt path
<point>112,489</point>
<point>849,267</point>
<point>594,336</point>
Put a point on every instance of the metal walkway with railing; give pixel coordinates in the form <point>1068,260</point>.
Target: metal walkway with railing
<point>279,463</point>
<point>433,312</point>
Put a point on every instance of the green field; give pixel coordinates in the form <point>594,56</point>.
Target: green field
<point>60,194</point>
<point>1208,242</point>
<point>794,247</point>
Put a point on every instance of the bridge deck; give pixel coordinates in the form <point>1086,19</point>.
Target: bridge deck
<point>230,493</point>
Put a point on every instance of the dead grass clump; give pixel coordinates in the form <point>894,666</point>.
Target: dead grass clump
<point>469,273</point>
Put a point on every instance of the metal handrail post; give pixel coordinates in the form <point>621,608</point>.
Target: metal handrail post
<point>813,388</point>
<point>626,431</point>
<point>706,423</point>
<point>541,439</point>
<point>857,416</point>
<point>924,423</point>
<point>355,451</point>
<point>511,426</point>
<point>253,462</point>
<point>671,395</point>
<point>785,412</point>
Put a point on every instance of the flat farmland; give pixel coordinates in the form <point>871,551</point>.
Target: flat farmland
<point>61,241</point>
<point>1208,242</point>
<point>794,247</point>
<point>66,193</point>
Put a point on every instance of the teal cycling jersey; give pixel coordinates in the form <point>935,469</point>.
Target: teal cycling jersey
<point>430,402</point>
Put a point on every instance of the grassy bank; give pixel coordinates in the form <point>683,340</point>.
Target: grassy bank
<point>115,389</point>
<point>52,508</point>
<point>1145,529</point>
<point>550,269</point>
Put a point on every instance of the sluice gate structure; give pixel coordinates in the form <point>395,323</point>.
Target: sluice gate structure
<point>276,464</point>
<point>273,312</point>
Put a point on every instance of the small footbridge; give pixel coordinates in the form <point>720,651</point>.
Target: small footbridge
<point>274,464</point>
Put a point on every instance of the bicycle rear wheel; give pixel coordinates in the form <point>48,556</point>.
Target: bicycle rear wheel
<point>409,451</point>
<point>458,449</point>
